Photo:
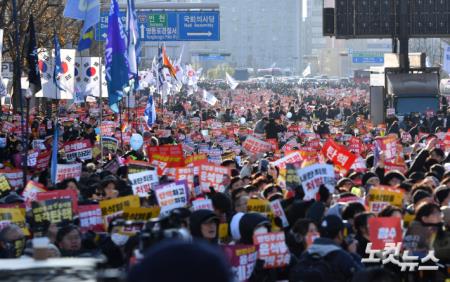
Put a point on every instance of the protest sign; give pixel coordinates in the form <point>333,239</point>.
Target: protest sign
<point>32,158</point>
<point>278,211</point>
<point>185,173</point>
<point>140,214</point>
<point>107,128</point>
<point>171,196</point>
<point>196,160</point>
<point>4,185</point>
<point>43,160</point>
<point>114,207</point>
<point>110,144</point>
<point>213,176</point>
<point>53,210</point>
<point>340,156</point>
<point>91,218</point>
<point>112,166</point>
<point>80,149</point>
<point>388,146</point>
<point>142,182</point>
<point>272,249</point>
<point>8,127</point>
<point>381,196</point>
<point>242,259</point>
<point>256,146</point>
<point>293,157</point>
<point>384,230</point>
<point>14,177</point>
<point>64,171</point>
<point>138,166</point>
<point>355,145</point>
<point>170,154</point>
<point>60,194</point>
<point>30,192</point>
<point>205,204</point>
<point>313,176</point>
<point>13,216</point>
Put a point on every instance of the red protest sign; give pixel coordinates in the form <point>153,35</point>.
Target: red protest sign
<point>242,260</point>
<point>185,173</point>
<point>196,160</point>
<point>81,149</point>
<point>388,145</point>
<point>91,218</point>
<point>340,156</point>
<point>272,249</point>
<point>213,176</point>
<point>170,154</point>
<point>64,171</point>
<point>60,194</point>
<point>43,160</point>
<point>355,145</point>
<point>383,230</point>
<point>274,143</point>
<point>256,146</point>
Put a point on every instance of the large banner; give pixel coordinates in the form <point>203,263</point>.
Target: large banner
<point>67,79</point>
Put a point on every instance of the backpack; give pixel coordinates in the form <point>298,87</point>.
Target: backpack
<point>312,268</point>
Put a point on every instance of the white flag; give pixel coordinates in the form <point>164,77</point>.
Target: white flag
<point>67,76</point>
<point>87,76</point>
<point>209,98</point>
<point>307,71</point>
<point>231,82</point>
<point>446,63</point>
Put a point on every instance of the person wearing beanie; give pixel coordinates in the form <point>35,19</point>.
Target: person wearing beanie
<point>204,224</point>
<point>394,178</point>
<point>344,184</point>
<point>174,261</point>
<point>251,224</point>
<point>420,195</point>
<point>343,263</point>
<point>442,195</point>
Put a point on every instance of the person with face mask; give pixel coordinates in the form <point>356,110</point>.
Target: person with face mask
<point>12,242</point>
<point>113,246</point>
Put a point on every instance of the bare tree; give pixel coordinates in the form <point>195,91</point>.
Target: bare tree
<point>48,19</point>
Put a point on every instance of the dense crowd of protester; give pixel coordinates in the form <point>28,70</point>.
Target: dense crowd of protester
<point>324,236</point>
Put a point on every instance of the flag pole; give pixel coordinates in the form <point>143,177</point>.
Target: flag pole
<point>101,103</point>
<point>120,123</point>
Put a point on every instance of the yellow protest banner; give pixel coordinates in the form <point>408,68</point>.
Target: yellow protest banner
<point>15,216</point>
<point>223,231</point>
<point>381,196</point>
<point>140,214</point>
<point>114,207</point>
<point>4,185</point>
<point>261,206</point>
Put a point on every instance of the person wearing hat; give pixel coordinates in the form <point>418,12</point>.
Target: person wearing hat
<point>204,225</point>
<point>344,184</point>
<point>343,263</point>
<point>370,179</point>
<point>394,178</point>
<point>442,195</point>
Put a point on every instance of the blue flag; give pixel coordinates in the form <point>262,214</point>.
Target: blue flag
<point>84,10</point>
<point>54,154</point>
<point>133,41</point>
<point>150,112</point>
<point>57,70</point>
<point>116,58</point>
<point>86,40</point>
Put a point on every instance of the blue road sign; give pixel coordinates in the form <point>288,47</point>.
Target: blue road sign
<point>368,60</point>
<point>169,25</point>
<point>211,57</point>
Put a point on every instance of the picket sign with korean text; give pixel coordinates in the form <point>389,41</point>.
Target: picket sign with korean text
<point>384,230</point>
<point>65,171</point>
<point>213,176</point>
<point>52,210</point>
<point>14,177</point>
<point>43,160</point>
<point>242,259</point>
<point>293,157</point>
<point>72,195</point>
<point>272,249</point>
<point>256,146</point>
<point>340,156</point>
<point>91,218</point>
<point>171,196</point>
<point>381,196</point>
<point>205,204</point>
<point>4,186</point>
<point>114,207</point>
<point>313,176</point>
<point>80,149</point>
<point>142,182</point>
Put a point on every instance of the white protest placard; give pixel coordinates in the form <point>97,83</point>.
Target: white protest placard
<point>141,182</point>
<point>313,176</point>
<point>289,159</point>
<point>278,211</point>
<point>172,195</point>
<point>32,158</point>
<point>80,149</point>
<point>64,171</point>
<point>202,205</point>
<point>256,146</point>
